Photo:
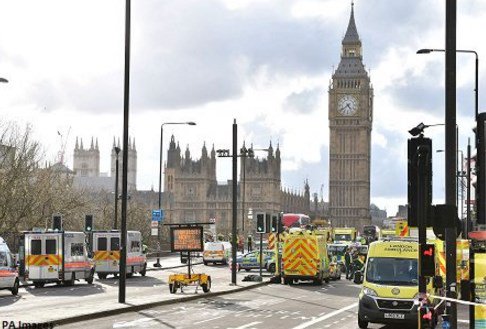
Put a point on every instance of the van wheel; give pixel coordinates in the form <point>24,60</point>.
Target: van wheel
<point>102,276</point>
<point>362,324</point>
<point>327,280</point>
<point>205,263</point>
<point>225,262</point>
<point>271,268</point>
<point>38,284</point>
<point>15,288</point>
<point>144,270</point>
<point>317,282</point>
<point>70,282</point>
<point>90,278</point>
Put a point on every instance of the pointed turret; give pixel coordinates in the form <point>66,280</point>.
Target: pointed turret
<point>204,151</point>
<point>134,147</point>
<point>213,153</point>
<point>188,153</point>
<point>277,151</point>
<point>96,144</point>
<point>114,142</point>
<point>92,144</point>
<point>270,150</point>
<point>76,147</point>
<point>351,65</point>
<point>351,36</point>
<point>81,145</point>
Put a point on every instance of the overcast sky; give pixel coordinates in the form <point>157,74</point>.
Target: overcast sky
<point>266,63</point>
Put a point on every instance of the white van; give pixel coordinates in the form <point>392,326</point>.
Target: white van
<point>217,252</point>
<point>8,269</point>
<point>56,257</point>
<point>106,253</point>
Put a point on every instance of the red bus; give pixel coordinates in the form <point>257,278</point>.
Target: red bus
<point>295,220</point>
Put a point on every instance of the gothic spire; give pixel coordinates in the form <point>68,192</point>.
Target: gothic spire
<point>81,146</point>
<point>96,144</point>
<point>114,142</point>
<point>204,151</point>
<point>77,144</point>
<point>351,36</point>
<point>92,145</point>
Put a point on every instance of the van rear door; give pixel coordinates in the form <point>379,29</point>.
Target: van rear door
<point>44,259</point>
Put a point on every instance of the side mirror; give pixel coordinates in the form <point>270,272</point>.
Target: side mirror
<point>438,282</point>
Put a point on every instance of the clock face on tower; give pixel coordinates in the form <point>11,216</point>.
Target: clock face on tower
<point>347,105</point>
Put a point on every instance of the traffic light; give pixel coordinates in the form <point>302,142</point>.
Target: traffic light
<point>274,224</point>
<point>57,222</point>
<point>268,222</point>
<point>88,223</point>
<point>445,216</point>
<point>427,264</point>
<point>416,147</point>
<point>261,223</point>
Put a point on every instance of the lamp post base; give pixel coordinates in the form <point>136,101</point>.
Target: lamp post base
<point>157,263</point>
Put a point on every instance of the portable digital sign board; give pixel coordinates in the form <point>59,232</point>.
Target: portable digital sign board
<point>186,238</point>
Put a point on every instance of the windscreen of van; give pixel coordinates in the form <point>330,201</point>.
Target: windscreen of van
<point>392,271</point>
<point>343,237</point>
<point>214,246</point>
<point>3,258</point>
<point>336,250</point>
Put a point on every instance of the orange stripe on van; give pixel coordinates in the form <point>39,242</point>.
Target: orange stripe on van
<point>43,260</point>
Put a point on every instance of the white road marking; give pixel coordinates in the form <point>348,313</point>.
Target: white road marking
<point>207,320</point>
<point>246,325</point>
<point>325,317</point>
<point>126,324</point>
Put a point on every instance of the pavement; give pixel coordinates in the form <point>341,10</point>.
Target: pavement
<point>58,305</point>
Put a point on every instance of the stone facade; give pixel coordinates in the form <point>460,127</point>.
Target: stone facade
<point>192,193</point>
<point>350,123</point>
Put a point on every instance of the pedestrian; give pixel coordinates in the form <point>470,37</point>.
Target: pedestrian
<point>347,261</point>
<point>249,241</point>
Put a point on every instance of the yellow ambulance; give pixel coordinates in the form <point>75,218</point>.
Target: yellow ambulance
<point>389,294</point>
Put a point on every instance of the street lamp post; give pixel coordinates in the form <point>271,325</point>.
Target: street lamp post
<point>428,51</point>
<point>190,123</point>
<point>117,151</point>
<point>126,104</point>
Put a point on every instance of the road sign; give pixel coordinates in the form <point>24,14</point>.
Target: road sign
<point>157,215</point>
<point>212,220</point>
<point>154,224</point>
<point>155,232</point>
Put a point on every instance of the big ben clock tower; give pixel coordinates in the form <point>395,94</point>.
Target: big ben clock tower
<point>350,124</point>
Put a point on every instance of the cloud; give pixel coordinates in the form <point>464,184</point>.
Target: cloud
<point>303,102</point>
<point>207,52</point>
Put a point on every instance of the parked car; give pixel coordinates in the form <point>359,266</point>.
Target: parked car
<point>250,260</point>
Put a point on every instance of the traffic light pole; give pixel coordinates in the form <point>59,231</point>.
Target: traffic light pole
<point>235,204</point>
<point>423,153</point>
<point>261,252</point>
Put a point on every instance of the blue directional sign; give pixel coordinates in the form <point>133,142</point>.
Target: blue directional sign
<point>157,215</point>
